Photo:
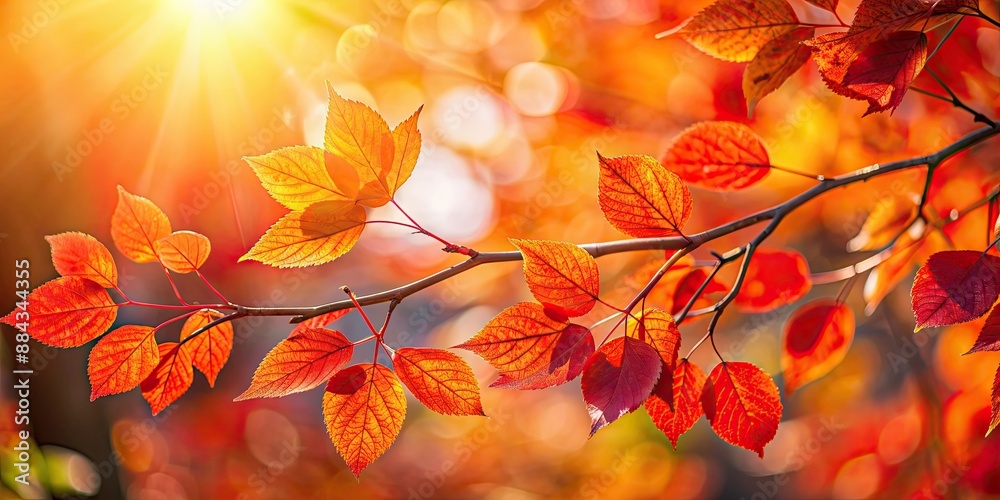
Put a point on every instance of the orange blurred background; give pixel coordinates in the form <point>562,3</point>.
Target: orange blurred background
<point>165,97</point>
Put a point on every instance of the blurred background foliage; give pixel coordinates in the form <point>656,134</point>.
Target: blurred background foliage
<point>165,97</point>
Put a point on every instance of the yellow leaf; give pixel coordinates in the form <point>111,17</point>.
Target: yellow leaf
<point>317,235</point>
<point>406,138</point>
<point>361,137</point>
<point>297,177</point>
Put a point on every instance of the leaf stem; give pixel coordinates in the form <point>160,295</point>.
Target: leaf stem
<point>448,246</point>
<point>955,101</point>
<point>171,320</point>
<point>212,288</point>
<point>173,285</point>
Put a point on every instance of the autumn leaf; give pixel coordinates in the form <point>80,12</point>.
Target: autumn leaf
<point>830,5</point>
<point>875,19</point>
<point>210,349</point>
<point>171,378</point>
<point>735,30</point>
<point>989,336</point>
<point>406,140</point>
<point>776,61</point>
<point>361,137</point>
<point>79,254</point>
<point>816,339</point>
<point>955,287</point>
<point>657,328</point>
<point>677,285</point>
<point>323,319</point>
<point>675,404</point>
<point>742,404</point>
<point>562,276</point>
<point>297,177</point>
<point>121,360</point>
<point>995,404</point>
<point>528,345</point>
<point>317,235</point>
<point>439,379</point>
<point>883,71</point>
<point>183,251</point>
<point>307,358</point>
<point>906,254</point>
<point>887,219</point>
<point>641,198</point>
<point>689,285</point>
<point>66,312</point>
<point>833,54</point>
<point>617,379</point>
<point>363,407</point>
<point>774,278</point>
<point>724,156</point>
<point>136,225</point>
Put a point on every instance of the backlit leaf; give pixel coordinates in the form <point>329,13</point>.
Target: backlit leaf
<point>618,378</point>
<point>183,251</point>
<point>724,156</point>
<point>887,219</point>
<point>357,134</point>
<point>875,19</point>
<point>641,198</point>
<point>66,312</point>
<point>570,353</point>
<point>816,339</point>
<point>735,30</point>
<point>136,225</point>
<point>675,404</point>
<point>79,254</point>
<point>742,404</point>
<point>210,349</point>
<point>777,60</point>
<point>439,379</point>
<point>171,378</point>
<point>883,71</point>
<point>363,407</point>
<point>317,235</point>
<point>995,404</point>
<point>689,284</point>
<point>560,275</point>
<point>323,319</point>
<point>406,139</point>
<point>955,287</point>
<point>830,5</point>
<point>297,177</point>
<point>774,278</point>
<point>307,358</point>
<point>989,336</point>
<point>121,360</point>
<point>657,328</point>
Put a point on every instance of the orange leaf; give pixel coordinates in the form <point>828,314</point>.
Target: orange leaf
<point>724,156</point>
<point>358,135</point>
<point>641,198</point>
<point>677,285</point>
<point>171,378</point>
<point>363,407</point>
<point>735,30</point>
<point>906,254</point>
<point>297,177</point>
<point>569,354</point>
<point>317,235</point>
<point>183,251</point>
<point>406,139</point>
<point>79,254</point>
<point>65,312</point>
<point>830,5</point>
<point>136,225</point>
<point>121,360</point>
<point>955,287</point>
<point>210,349</point>
<point>833,54</point>
<point>884,70</point>
<point>560,275</point>
<point>439,379</point>
<point>675,404</point>
<point>774,278</point>
<point>304,360</point>
<point>323,319</point>
<point>777,60</point>
<point>657,328</point>
<point>875,19</point>
<point>689,285</point>
<point>617,379</point>
<point>525,343</point>
<point>995,404</point>
<point>742,404</point>
<point>886,220</point>
<point>816,339</point>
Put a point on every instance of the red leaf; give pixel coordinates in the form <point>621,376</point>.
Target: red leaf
<point>995,406</point>
<point>955,287</point>
<point>989,336</point>
<point>689,284</point>
<point>774,278</point>
<point>675,404</point>
<point>570,353</point>
<point>323,319</point>
<point>65,312</point>
<point>777,60</point>
<point>560,275</point>
<point>830,5</point>
<point>171,378</point>
<point>884,70</point>
<point>618,378</point>
<point>657,328</point>
<point>121,360</point>
<point>210,349</point>
<point>724,156</point>
<point>816,339</point>
<point>79,254</point>
<point>641,198</point>
<point>363,407</point>
<point>439,379</point>
<point>742,404</point>
<point>304,360</point>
